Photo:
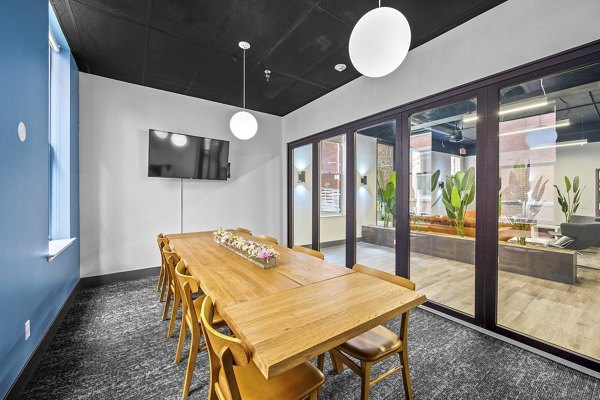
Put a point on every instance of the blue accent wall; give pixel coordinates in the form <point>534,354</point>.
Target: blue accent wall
<point>31,288</point>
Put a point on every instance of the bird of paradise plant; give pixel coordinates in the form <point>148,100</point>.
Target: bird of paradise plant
<point>386,196</point>
<point>569,206</point>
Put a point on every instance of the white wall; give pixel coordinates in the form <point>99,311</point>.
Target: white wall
<point>366,195</point>
<point>509,35</point>
<point>580,161</point>
<point>302,161</point>
<point>122,210</point>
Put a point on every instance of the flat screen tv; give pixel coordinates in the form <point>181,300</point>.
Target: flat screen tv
<point>175,155</point>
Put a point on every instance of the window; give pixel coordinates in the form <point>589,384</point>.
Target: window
<point>60,92</point>
<point>332,169</point>
<point>455,164</point>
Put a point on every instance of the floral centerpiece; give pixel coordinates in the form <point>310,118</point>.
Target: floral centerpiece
<point>260,254</point>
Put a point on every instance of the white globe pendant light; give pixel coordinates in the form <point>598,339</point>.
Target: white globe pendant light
<point>243,125</point>
<point>379,42</point>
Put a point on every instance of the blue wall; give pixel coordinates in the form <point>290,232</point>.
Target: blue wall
<point>30,286</point>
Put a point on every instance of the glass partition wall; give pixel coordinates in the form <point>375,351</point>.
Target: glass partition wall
<point>486,196</point>
<point>332,198</point>
<point>441,202</point>
<point>548,231</point>
<point>376,196</point>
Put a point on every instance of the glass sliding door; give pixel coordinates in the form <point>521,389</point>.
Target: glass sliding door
<point>332,198</point>
<point>548,230</point>
<point>376,196</point>
<point>302,187</point>
<point>441,199</point>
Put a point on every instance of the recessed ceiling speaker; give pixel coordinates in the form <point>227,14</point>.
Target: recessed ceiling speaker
<point>379,42</point>
<point>22,131</point>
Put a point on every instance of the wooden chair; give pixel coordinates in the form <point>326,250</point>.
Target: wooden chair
<point>190,321</point>
<point>162,283</point>
<point>268,238</point>
<point>173,291</point>
<point>308,251</point>
<point>244,230</point>
<point>234,376</point>
<point>376,345</point>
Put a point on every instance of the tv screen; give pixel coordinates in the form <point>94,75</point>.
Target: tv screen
<point>174,155</point>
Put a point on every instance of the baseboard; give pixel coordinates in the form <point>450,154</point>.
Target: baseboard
<point>119,277</point>
<point>34,359</point>
<point>332,243</point>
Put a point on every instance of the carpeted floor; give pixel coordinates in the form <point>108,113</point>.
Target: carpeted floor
<point>112,345</point>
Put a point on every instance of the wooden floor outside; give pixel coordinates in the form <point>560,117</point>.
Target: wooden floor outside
<point>558,313</point>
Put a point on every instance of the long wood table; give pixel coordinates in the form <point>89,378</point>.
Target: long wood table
<point>293,312</point>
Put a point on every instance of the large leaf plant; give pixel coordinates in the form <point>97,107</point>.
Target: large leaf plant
<point>568,204</point>
<point>457,194</point>
<point>386,195</point>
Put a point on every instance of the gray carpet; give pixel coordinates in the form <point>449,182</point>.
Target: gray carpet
<point>112,345</point>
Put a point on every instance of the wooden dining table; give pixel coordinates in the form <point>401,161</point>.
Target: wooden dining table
<point>293,312</point>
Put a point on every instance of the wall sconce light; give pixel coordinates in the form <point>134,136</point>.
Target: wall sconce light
<point>363,180</point>
<point>302,177</point>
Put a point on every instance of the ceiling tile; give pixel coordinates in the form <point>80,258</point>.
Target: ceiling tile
<point>196,21</point>
<point>136,10</point>
<point>112,46</point>
<point>325,74</point>
<point>171,62</point>
<point>262,23</point>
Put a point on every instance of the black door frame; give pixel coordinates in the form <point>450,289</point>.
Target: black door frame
<point>487,90</point>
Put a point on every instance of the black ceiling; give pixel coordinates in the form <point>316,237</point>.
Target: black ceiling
<point>191,46</point>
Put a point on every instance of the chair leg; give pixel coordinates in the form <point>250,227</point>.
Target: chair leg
<point>406,374</point>
<point>163,288</point>
<point>321,362</point>
<point>314,395</point>
<point>176,303</point>
<point>191,364</point>
<point>337,364</point>
<point>181,340</point>
<point>366,380</point>
<point>167,302</point>
<point>160,278</point>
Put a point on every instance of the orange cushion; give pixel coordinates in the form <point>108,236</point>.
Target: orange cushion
<point>372,345</point>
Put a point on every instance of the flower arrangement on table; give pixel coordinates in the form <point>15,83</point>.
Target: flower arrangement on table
<point>260,254</point>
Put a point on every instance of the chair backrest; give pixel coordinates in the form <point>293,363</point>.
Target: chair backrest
<point>162,241</point>
<point>230,351</point>
<point>398,280</point>
<point>187,285</point>
<point>171,260</point>
<point>268,238</point>
<point>244,230</point>
<point>308,251</point>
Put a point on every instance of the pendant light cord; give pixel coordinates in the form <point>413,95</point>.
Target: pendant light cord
<point>244,80</point>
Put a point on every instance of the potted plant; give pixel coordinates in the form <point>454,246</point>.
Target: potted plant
<point>457,194</point>
<point>386,196</point>
<point>567,204</point>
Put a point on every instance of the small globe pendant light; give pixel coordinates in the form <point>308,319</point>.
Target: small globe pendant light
<point>243,125</point>
<point>379,42</point>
